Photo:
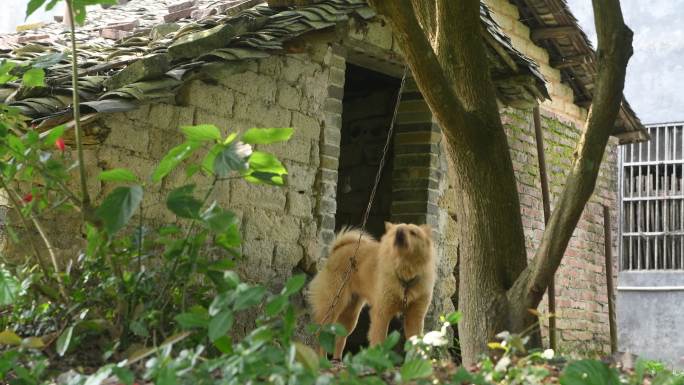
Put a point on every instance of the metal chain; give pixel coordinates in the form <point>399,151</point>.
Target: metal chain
<point>378,175</point>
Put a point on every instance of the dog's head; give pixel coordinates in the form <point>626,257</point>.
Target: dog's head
<point>409,240</point>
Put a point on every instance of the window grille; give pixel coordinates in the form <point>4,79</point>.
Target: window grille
<point>652,195</point>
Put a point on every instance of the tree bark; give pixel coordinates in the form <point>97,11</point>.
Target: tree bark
<point>442,45</point>
<point>449,73</point>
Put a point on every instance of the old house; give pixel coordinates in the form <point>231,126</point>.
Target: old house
<point>331,70</point>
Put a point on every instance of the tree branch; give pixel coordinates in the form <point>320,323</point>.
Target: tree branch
<point>614,51</point>
<point>422,60</point>
<point>85,197</point>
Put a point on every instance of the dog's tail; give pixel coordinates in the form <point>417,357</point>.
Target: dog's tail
<point>348,235</point>
<point>329,280</point>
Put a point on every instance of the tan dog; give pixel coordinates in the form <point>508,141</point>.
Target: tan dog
<point>395,275</point>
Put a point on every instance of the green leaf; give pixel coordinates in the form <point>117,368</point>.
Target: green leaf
<point>118,175</point>
<point>307,357</point>
<point>192,320</point>
<point>224,344</point>
<point>210,157</point>
<point>265,162</point>
<point>454,318</point>
<point>80,8</point>
<point>64,341</point>
<point>35,77</point>
<point>221,265</point>
<point>6,75</point>
<point>220,324</point>
<point>589,372</point>
<point>124,375</point>
<point>415,369</point>
<point>173,158</point>
<point>182,203</point>
<point>392,340</point>
<point>327,341</point>
<point>218,220</point>
<point>228,160</point>
<point>276,305</point>
<point>33,5</point>
<point>294,284</point>
<point>118,207</point>
<point>52,135</point>
<point>166,376</point>
<point>249,297</point>
<point>230,238</point>
<point>265,168</point>
<point>267,135</point>
<point>202,132</point>
<point>9,287</point>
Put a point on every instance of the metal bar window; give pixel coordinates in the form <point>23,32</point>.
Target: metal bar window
<point>652,207</point>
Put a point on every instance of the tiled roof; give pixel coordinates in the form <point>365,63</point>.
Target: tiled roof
<point>142,51</point>
<point>554,28</point>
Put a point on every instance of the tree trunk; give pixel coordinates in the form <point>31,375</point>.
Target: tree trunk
<point>442,46</point>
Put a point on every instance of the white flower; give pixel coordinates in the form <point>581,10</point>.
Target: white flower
<point>548,354</point>
<point>502,364</point>
<point>435,338</point>
<point>414,340</point>
<point>243,150</point>
<point>444,328</point>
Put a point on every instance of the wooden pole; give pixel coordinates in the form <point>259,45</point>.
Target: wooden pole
<point>539,137</point>
<point>608,243</point>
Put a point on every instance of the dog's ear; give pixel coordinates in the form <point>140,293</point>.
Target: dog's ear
<point>427,229</point>
<point>388,226</point>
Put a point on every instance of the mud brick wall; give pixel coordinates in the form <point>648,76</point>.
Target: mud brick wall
<point>284,229</point>
<point>288,230</point>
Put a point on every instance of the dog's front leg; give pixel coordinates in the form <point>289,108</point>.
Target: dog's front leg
<point>414,317</point>
<point>379,323</point>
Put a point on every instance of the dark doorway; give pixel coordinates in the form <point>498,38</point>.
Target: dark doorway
<point>369,102</point>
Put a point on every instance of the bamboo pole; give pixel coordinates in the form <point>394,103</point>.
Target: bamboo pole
<point>539,137</point>
<point>608,243</point>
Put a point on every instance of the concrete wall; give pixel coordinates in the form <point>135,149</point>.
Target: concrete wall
<point>650,315</point>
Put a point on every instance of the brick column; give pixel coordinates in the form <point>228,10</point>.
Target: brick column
<point>416,175</point>
<point>329,148</point>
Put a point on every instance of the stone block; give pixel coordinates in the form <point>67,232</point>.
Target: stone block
<point>210,97</point>
<point>256,86</point>
<point>125,133</point>
<point>203,116</point>
<point>276,226</point>
<point>163,116</point>
<point>296,149</point>
<point>287,254</point>
<point>259,253</point>
<point>139,114</point>
<point>300,177</point>
<point>337,77</point>
<point>271,66</point>
<point>294,69</point>
<point>330,150</point>
<point>245,195</point>
<point>260,113</point>
<point>299,204</point>
<point>288,96</point>
<point>306,126</point>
